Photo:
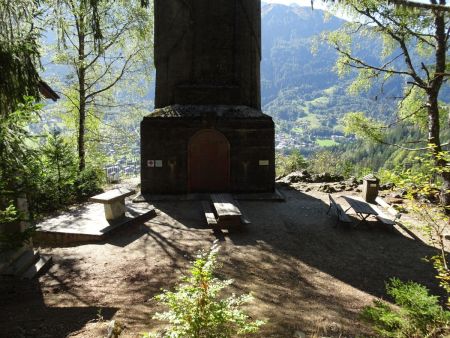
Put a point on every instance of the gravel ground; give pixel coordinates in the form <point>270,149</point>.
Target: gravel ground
<point>305,274</point>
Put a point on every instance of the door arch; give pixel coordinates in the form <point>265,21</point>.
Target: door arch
<point>208,162</point>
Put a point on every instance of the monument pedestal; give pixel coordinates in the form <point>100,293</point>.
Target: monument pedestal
<point>207,148</point>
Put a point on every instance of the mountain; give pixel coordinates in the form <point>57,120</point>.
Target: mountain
<point>300,90</point>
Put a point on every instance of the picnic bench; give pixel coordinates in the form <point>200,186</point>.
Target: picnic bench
<point>340,213</point>
<point>364,210</point>
<point>114,202</point>
<point>223,211</point>
<point>385,218</point>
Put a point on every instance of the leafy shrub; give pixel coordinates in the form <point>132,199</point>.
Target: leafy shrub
<point>330,162</point>
<point>12,240</point>
<point>287,164</point>
<point>88,182</point>
<point>197,311</point>
<point>419,313</point>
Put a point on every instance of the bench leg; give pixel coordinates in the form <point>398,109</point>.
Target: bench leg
<point>115,210</point>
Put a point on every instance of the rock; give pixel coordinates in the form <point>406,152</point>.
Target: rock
<point>326,178</point>
<point>299,334</point>
<point>296,176</point>
<point>392,200</point>
<point>327,188</point>
<point>387,186</point>
<point>352,181</point>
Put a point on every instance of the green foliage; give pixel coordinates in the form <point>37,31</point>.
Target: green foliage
<point>106,74</point>
<point>418,314</point>
<point>196,309</point>
<point>330,161</point>
<point>15,138</point>
<point>9,214</point>
<point>287,164</point>
<point>45,171</point>
<point>59,161</point>
<point>360,125</point>
<point>13,240</point>
<point>19,54</point>
<point>88,182</point>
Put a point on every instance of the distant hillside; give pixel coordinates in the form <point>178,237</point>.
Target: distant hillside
<point>301,90</point>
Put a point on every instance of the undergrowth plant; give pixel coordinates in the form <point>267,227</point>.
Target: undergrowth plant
<point>196,308</point>
<point>418,315</point>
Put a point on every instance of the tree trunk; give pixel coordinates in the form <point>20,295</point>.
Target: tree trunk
<point>433,105</point>
<point>82,92</point>
<point>435,141</point>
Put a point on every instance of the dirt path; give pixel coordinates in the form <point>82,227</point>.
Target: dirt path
<point>303,272</point>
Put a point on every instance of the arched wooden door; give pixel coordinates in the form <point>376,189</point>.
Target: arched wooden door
<point>209,162</point>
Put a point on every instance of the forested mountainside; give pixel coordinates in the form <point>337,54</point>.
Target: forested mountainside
<point>300,89</point>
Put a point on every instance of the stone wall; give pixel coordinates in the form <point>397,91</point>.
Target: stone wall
<point>165,140</point>
<point>207,52</point>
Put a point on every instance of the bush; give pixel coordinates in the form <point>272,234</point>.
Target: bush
<point>419,313</point>
<point>88,182</point>
<point>288,164</point>
<point>197,311</point>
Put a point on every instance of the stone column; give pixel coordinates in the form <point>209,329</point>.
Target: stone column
<point>207,52</point>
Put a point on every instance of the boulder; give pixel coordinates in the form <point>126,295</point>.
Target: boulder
<point>296,176</point>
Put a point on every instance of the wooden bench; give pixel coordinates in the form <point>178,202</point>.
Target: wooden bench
<point>209,214</point>
<point>114,202</point>
<point>383,217</point>
<point>340,213</point>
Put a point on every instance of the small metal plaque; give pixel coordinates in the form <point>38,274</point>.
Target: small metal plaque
<point>150,163</point>
<point>263,162</point>
<point>158,163</point>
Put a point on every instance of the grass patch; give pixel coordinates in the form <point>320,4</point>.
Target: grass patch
<point>326,142</point>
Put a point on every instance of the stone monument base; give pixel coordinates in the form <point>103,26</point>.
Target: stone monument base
<point>206,149</point>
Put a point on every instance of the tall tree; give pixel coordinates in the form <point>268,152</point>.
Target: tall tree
<point>98,64</point>
<point>414,46</point>
<point>19,55</point>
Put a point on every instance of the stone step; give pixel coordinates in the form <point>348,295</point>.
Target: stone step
<point>40,266</point>
<point>28,258</point>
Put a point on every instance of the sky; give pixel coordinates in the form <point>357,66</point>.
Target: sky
<point>317,4</point>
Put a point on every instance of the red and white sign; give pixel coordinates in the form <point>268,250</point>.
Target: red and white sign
<point>151,163</point>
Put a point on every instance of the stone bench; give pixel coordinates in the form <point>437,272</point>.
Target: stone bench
<point>114,202</point>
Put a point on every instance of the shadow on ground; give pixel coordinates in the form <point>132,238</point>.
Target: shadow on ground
<point>303,271</point>
<point>303,268</point>
<point>24,313</point>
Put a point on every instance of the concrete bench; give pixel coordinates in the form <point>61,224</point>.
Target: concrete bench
<point>114,202</point>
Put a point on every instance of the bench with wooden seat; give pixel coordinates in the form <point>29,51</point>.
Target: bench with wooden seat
<point>340,213</point>
<point>114,202</point>
<point>390,219</point>
<point>223,211</point>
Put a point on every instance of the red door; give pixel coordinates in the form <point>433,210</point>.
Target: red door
<point>209,162</point>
